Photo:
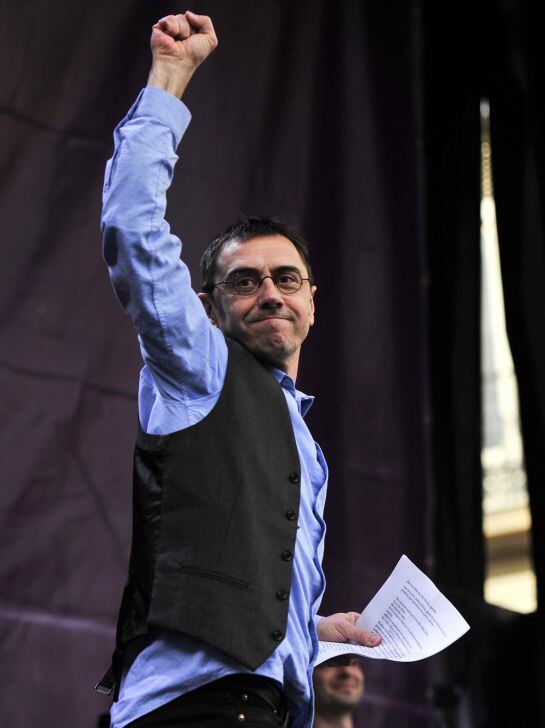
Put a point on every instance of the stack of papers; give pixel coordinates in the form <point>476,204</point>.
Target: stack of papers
<point>412,616</point>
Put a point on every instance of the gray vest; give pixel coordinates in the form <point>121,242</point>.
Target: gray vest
<point>215,513</point>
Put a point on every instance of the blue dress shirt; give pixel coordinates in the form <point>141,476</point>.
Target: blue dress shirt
<point>185,363</point>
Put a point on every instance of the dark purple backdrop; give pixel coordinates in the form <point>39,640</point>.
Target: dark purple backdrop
<point>309,110</point>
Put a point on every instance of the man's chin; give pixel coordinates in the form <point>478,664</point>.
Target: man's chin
<point>347,698</point>
<point>274,350</point>
<point>350,701</point>
<point>275,355</point>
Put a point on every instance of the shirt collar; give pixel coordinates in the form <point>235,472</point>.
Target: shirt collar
<point>304,401</point>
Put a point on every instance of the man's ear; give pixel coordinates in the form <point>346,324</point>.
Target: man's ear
<point>206,300</point>
<point>313,290</point>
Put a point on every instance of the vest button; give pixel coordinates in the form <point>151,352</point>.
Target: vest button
<point>290,515</point>
<point>282,594</point>
<point>287,555</point>
<point>277,635</point>
<point>293,478</point>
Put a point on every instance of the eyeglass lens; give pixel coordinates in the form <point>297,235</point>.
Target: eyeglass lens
<point>247,283</point>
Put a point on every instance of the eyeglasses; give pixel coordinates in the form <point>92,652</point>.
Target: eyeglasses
<point>246,284</point>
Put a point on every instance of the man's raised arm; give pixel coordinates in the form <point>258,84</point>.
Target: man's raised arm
<point>151,281</point>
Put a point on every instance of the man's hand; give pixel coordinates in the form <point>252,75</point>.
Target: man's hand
<point>341,627</point>
<point>179,44</point>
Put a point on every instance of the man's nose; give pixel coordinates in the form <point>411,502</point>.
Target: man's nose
<point>269,293</point>
<point>345,671</point>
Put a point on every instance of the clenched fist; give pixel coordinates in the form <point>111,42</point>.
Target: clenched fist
<point>179,44</point>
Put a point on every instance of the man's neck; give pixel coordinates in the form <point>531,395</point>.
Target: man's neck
<point>339,720</point>
<point>289,366</point>
<point>292,366</point>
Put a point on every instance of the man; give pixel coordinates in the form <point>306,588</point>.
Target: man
<point>218,619</point>
<point>338,690</point>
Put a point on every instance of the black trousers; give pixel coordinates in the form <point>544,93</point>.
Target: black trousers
<point>236,700</point>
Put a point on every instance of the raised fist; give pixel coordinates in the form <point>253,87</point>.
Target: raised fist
<point>187,38</point>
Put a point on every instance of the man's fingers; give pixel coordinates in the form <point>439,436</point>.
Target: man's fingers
<point>201,23</point>
<point>179,44</point>
<point>167,25</point>
<point>181,27</point>
<point>341,627</point>
<point>184,27</point>
<point>362,636</point>
<point>177,26</point>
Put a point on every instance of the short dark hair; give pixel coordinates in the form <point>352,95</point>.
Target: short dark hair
<point>246,228</point>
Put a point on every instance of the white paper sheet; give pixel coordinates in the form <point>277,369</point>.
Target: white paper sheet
<point>412,616</point>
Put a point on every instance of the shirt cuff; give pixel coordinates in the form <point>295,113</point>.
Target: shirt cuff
<point>317,619</point>
<point>162,106</point>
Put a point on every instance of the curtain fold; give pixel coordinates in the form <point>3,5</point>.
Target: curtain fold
<point>487,51</point>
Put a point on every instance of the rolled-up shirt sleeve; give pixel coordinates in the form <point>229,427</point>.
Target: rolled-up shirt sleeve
<point>185,354</point>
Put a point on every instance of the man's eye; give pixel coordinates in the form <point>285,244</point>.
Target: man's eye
<point>286,279</point>
<point>245,282</point>
<point>288,282</point>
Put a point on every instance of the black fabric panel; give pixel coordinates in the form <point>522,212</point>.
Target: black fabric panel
<point>452,167</point>
<point>496,55</point>
<point>515,82</point>
<point>306,110</point>
<point>517,121</point>
<point>453,238</point>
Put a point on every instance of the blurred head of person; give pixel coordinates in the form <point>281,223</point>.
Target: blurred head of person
<point>338,691</point>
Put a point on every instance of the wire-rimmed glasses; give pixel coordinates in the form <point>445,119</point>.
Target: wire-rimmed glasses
<point>248,283</point>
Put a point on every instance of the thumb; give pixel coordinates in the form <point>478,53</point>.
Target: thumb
<point>362,636</point>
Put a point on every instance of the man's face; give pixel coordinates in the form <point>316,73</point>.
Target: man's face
<point>338,689</point>
<point>271,324</point>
